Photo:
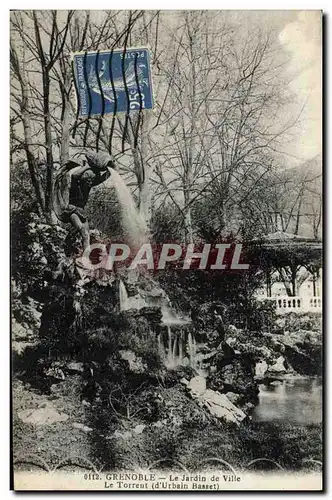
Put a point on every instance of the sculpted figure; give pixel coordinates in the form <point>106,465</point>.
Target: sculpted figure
<point>73,184</point>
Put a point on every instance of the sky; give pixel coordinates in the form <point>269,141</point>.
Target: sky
<point>299,34</point>
<point>301,38</point>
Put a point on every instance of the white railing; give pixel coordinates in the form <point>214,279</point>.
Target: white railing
<point>315,303</point>
<point>286,304</point>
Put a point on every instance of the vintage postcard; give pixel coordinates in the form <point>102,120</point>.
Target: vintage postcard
<point>166,250</point>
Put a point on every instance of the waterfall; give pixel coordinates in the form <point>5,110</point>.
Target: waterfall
<point>169,357</point>
<point>171,318</point>
<point>132,222</point>
<point>135,233</point>
<point>192,350</point>
<point>172,349</point>
<point>181,346</point>
<point>161,346</point>
<point>173,359</point>
<point>123,296</point>
<point>134,302</point>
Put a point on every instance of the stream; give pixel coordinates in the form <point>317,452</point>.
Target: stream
<point>295,400</point>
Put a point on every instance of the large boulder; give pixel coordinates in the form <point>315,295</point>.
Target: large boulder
<point>47,415</point>
<point>197,385</point>
<point>217,404</point>
<point>237,377</point>
<point>302,350</point>
<point>135,363</point>
<point>260,369</point>
<point>306,360</point>
<point>278,367</point>
<point>220,406</point>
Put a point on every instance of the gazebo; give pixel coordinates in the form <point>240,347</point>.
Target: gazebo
<point>294,259</point>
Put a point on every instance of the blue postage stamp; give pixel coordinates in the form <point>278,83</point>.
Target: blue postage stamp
<point>113,81</point>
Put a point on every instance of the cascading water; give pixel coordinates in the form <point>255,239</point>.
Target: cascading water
<point>170,318</point>
<point>123,296</point>
<point>126,302</point>
<point>135,229</point>
<point>177,348</point>
<point>192,351</point>
<point>133,223</point>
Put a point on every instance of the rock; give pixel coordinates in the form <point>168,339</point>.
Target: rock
<point>86,403</point>
<point>139,428</point>
<point>160,423</point>
<point>54,371</point>
<point>217,404</point>
<point>20,347</point>
<point>122,435</point>
<point>231,341</point>
<point>236,377</point>
<point>21,332</point>
<point>248,407</point>
<point>278,366</point>
<point>233,397</point>
<point>136,364</point>
<point>197,385</point>
<point>261,368</point>
<point>221,407</point>
<point>306,360</point>
<point>82,427</point>
<point>75,367</point>
<point>179,374</point>
<point>42,416</point>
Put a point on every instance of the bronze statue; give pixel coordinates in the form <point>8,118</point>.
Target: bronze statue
<point>72,189</point>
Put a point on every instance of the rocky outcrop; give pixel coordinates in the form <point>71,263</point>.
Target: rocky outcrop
<point>82,427</point>
<point>278,367</point>
<point>47,415</point>
<point>135,363</point>
<point>236,377</point>
<point>217,404</point>
<point>221,407</point>
<point>37,249</point>
<point>275,355</point>
<point>26,319</point>
<point>261,369</point>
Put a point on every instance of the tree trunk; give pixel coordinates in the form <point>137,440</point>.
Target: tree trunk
<point>32,164</point>
<point>287,283</point>
<point>294,284</point>
<point>50,215</point>
<point>188,230</point>
<point>144,186</point>
<point>268,284</point>
<point>298,215</point>
<point>188,165</point>
<point>65,137</point>
<point>145,201</point>
<point>45,68</point>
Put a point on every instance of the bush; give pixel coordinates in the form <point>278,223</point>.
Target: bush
<point>37,249</point>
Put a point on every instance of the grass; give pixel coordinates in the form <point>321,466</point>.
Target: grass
<point>185,436</point>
